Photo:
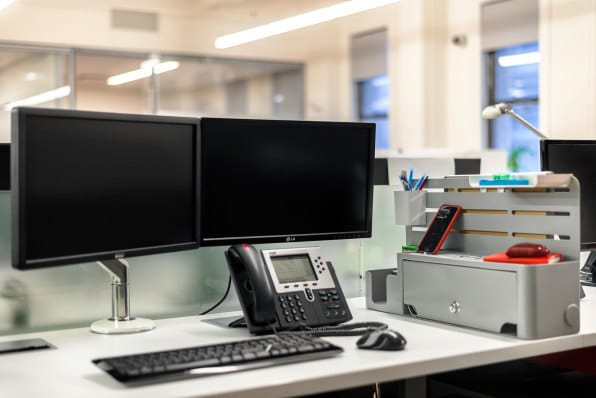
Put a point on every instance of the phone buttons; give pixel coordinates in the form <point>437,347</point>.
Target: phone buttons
<point>309,295</point>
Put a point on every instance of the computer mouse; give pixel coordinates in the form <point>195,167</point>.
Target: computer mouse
<point>382,339</point>
<point>527,250</point>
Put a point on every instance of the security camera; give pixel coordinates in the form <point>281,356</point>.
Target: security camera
<point>459,40</point>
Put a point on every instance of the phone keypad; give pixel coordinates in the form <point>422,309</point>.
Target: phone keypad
<point>329,308</point>
<point>292,308</point>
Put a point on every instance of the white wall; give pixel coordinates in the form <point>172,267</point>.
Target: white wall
<point>568,68</point>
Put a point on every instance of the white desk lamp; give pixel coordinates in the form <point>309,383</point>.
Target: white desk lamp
<point>496,110</point>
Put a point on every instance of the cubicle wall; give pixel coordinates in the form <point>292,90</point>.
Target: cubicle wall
<point>164,285</point>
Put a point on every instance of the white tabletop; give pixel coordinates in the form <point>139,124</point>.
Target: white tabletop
<point>432,347</point>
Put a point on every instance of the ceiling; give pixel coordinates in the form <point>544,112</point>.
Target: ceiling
<point>262,10</point>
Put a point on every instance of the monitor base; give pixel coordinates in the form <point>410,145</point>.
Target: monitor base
<point>112,326</point>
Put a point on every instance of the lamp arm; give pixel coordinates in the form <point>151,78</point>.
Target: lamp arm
<point>520,119</point>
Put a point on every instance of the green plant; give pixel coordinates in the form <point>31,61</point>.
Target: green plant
<point>514,155</point>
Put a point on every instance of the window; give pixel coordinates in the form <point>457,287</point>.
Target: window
<point>513,78</point>
<point>368,62</point>
<point>373,107</point>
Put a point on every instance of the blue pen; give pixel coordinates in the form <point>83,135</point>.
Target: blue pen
<point>411,177</point>
<point>418,185</point>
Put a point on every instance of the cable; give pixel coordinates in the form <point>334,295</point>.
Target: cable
<point>348,329</point>
<point>214,306</point>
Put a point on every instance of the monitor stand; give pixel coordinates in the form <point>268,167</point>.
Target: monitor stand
<point>121,320</point>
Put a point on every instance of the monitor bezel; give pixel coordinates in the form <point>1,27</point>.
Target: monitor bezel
<point>18,155</point>
<point>544,144</point>
<point>5,184</point>
<point>285,238</point>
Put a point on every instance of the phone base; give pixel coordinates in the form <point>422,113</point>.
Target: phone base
<point>113,326</point>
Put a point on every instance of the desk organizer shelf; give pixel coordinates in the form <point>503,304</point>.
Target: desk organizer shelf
<point>457,287</point>
<point>525,180</point>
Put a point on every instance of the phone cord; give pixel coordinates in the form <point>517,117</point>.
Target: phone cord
<point>347,329</point>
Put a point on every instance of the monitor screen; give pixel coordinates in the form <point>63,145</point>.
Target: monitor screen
<point>97,186</point>
<point>4,167</point>
<point>577,157</point>
<point>285,181</point>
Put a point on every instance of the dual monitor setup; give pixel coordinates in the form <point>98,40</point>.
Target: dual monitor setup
<point>93,186</point>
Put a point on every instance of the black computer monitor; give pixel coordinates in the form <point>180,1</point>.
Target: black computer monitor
<point>465,166</point>
<point>4,167</point>
<point>381,171</point>
<point>285,181</point>
<point>577,157</point>
<point>90,186</point>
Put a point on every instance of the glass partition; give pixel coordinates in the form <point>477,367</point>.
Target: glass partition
<point>35,77</point>
<point>221,87</point>
<point>94,92</point>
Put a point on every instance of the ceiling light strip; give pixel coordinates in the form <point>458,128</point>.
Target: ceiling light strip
<point>299,21</point>
<point>5,3</point>
<point>42,98</point>
<point>145,71</point>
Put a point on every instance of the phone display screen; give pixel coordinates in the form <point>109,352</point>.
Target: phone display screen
<point>294,268</point>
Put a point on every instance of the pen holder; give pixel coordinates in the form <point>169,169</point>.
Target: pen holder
<point>410,207</point>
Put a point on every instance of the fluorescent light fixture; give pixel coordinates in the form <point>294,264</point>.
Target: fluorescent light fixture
<point>507,61</point>
<point>165,67</point>
<point>148,68</point>
<point>5,3</point>
<point>299,21</point>
<point>40,98</point>
<point>128,77</point>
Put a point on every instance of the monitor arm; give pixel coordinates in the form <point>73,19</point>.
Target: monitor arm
<point>121,321</point>
<point>118,269</point>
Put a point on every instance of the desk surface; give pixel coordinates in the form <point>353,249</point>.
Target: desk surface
<point>432,347</point>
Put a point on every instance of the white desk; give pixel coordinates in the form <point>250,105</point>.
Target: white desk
<point>68,372</point>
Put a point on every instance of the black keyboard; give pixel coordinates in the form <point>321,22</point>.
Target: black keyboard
<point>216,359</point>
<point>585,276</point>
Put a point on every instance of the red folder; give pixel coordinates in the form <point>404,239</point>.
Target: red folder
<point>550,258</point>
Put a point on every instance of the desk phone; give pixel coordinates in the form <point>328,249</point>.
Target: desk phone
<point>286,289</point>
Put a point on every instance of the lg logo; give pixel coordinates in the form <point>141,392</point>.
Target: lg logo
<point>290,239</point>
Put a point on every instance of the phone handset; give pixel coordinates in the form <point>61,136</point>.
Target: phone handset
<point>257,293</point>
